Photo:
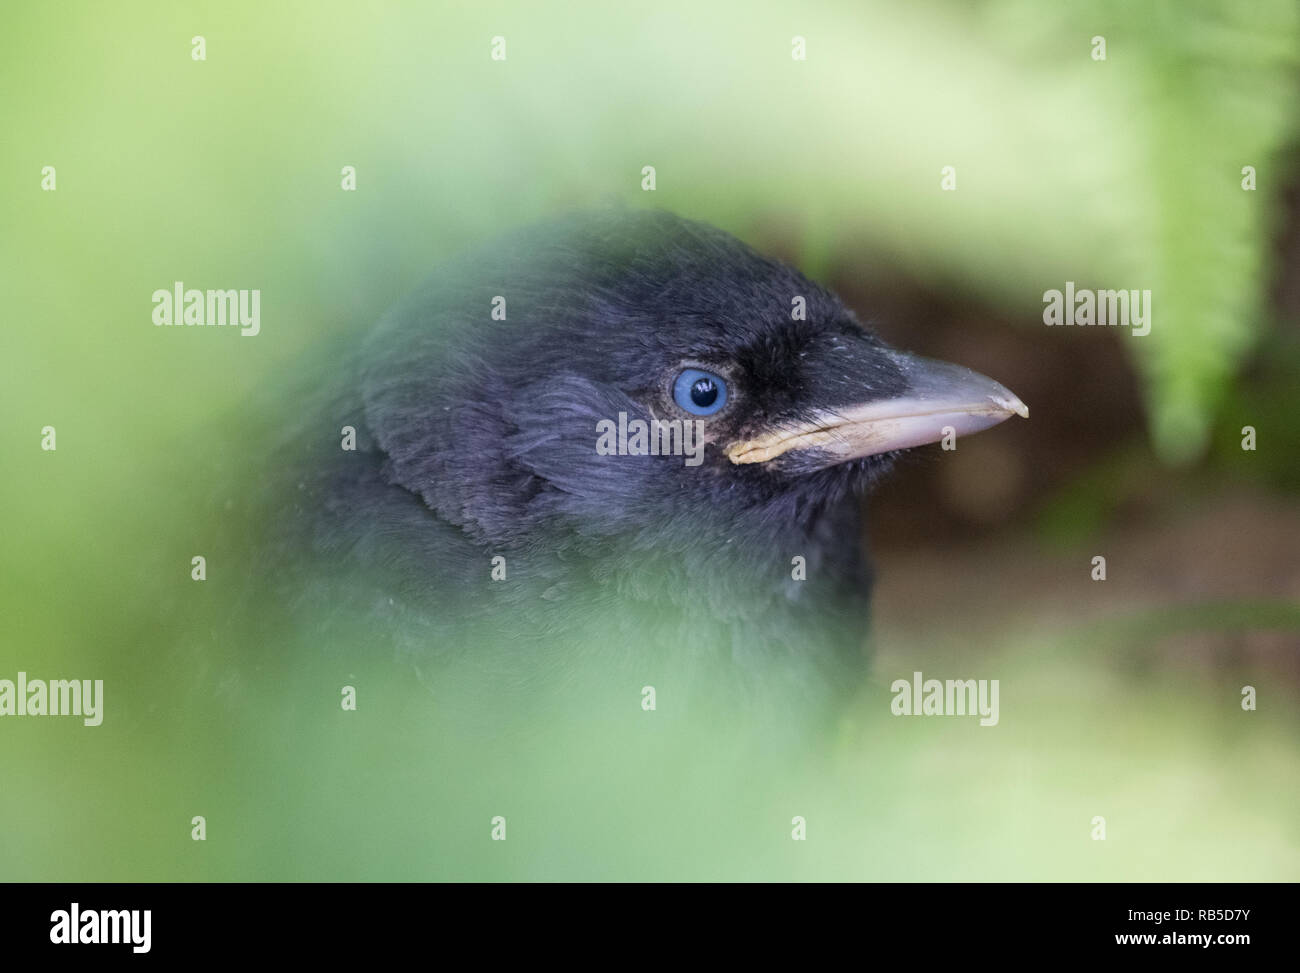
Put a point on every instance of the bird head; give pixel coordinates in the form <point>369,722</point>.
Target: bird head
<point>603,322</point>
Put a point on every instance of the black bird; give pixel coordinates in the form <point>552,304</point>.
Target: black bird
<point>480,533</point>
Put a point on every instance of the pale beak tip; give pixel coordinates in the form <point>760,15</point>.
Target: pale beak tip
<point>1011,403</point>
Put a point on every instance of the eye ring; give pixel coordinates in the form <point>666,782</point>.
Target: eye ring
<point>699,392</point>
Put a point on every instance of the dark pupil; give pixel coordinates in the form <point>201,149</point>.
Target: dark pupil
<point>704,393</point>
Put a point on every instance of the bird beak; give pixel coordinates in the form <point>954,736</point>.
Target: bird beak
<point>940,399</point>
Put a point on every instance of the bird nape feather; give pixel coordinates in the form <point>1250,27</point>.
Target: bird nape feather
<point>502,530</point>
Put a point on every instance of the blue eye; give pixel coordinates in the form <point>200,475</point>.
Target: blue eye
<point>700,393</point>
